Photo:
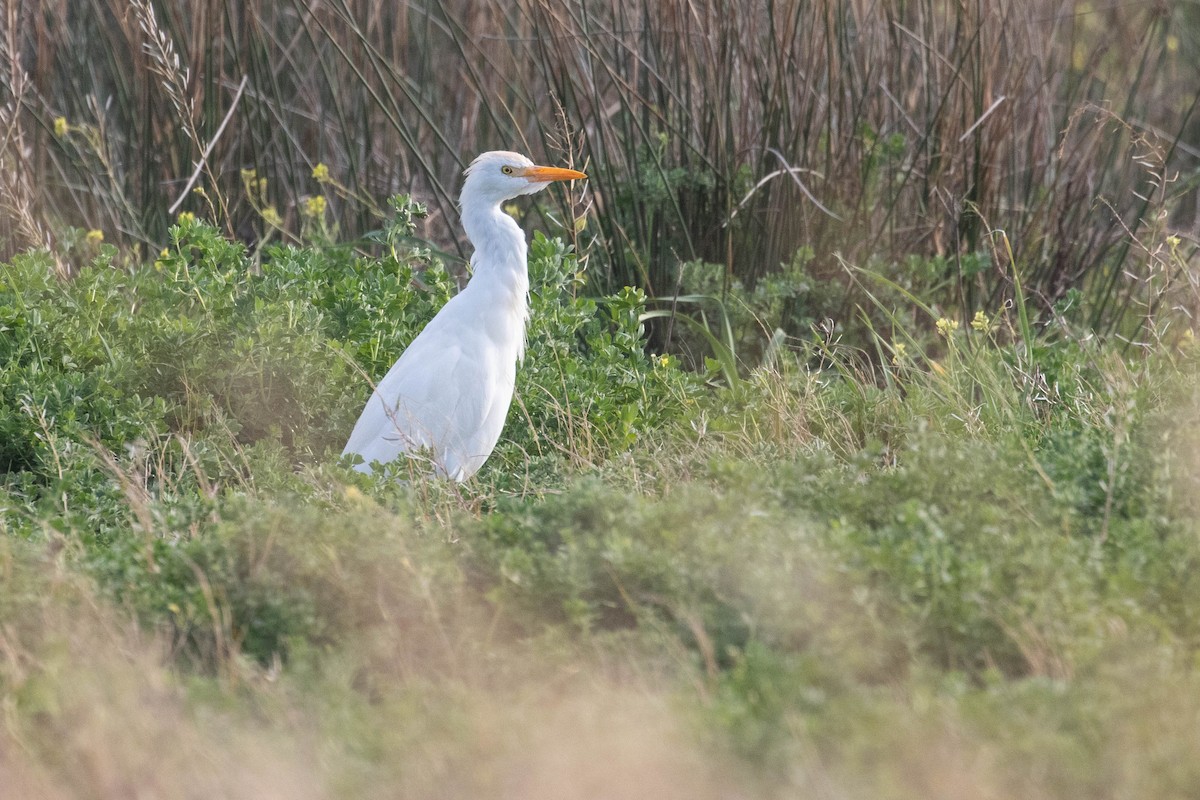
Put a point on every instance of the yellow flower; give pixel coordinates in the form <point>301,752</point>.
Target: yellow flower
<point>61,128</point>
<point>321,173</point>
<point>1173,242</point>
<point>1172,43</point>
<point>255,186</point>
<point>185,218</point>
<point>981,322</point>
<point>945,326</point>
<point>314,206</point>
<point>898,353</point>
<point>271,216</point>
<point>95,237</point>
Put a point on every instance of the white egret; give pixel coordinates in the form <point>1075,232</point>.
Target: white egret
<point>451,388</point>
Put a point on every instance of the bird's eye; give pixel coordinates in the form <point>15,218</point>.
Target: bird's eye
<point>507,170</point>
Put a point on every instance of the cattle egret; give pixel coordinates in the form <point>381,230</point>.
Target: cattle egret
<point>451,388</point>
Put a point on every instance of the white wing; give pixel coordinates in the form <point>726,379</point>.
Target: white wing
<point>449,391</point>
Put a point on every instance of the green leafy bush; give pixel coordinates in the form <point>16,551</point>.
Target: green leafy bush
<point>587,387</point>
<point>133,400</point>
<point>809,551</point>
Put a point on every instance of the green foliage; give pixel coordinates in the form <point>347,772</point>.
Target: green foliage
<point>587,386</point>
<point>838,555</point>
<point>267,578</point>
<point>209,361</point>
<point>793,300</point>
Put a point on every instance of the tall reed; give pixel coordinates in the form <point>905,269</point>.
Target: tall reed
<point>729,132</point>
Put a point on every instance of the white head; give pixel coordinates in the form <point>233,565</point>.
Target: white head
<point>500,175</point>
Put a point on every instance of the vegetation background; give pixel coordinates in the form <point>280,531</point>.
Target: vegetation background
<point>856,451</point>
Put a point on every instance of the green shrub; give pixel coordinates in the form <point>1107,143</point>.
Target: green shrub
<point>587,388</point>
<point>137,404</point>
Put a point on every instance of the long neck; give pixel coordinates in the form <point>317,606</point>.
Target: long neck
<point>500,253</point>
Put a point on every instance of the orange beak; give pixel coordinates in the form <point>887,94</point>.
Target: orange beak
<point>548,174</point>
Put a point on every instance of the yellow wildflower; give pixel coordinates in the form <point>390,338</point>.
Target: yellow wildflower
<point>255,186</point>
<point>95,237</point>
<point>314,206</point>
<point>185,218</point>
<point>898,353</point>
<point>981,322</point>
<point>61,128</point>
<point>271,216</point>
<point>945,326</point>
<point>321,173</point>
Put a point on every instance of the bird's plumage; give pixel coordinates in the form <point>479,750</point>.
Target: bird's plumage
<point>451,388</point>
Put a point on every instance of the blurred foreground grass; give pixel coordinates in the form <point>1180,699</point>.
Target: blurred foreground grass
<point>967,568</point>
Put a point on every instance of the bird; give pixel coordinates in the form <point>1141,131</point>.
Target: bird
<point>450,390</point>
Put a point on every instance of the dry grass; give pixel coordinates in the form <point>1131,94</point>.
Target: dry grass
<point>426,679</point>
<point>423,698</point>
<point>95,710</point>
<point>426,705</point>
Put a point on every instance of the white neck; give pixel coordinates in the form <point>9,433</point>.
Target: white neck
<point>501,256</point>
<point>500,282</point>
